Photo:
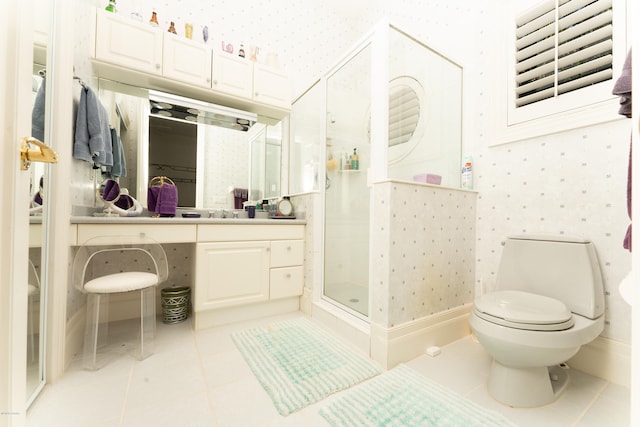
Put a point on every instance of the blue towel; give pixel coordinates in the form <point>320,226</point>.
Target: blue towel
<point>119,167</point>
<point>93,135</point>
<point>37,114</point>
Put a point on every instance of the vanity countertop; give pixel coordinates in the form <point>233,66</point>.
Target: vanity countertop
<point>180,220</point>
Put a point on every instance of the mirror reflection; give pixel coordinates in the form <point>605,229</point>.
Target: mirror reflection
<point>214,155</point>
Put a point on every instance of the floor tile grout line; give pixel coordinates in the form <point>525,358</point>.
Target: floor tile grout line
<point>592,402</point>
<point>126,394</point>
<point>204,376</point>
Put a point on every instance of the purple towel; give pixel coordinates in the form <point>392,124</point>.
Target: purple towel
<point>167,199</point>
<point>240,195</point>
<point>110,191</point>
<point>622,88</point>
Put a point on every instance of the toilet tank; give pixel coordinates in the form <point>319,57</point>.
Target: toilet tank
<point>566,269</point>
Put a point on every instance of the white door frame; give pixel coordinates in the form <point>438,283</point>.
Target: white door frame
<point>16,57</point>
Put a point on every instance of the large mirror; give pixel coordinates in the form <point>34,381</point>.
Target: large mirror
<point>216,156</point>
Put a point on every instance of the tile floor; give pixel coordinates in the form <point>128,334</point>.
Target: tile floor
<point>200,379</point>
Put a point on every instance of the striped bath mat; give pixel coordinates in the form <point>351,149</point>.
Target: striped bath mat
<point>403,397</point>
<point>298,363</point>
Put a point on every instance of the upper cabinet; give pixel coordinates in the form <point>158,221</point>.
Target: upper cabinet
<point>232,75</point>
<point>128,43</point>
<point>271,86</point>
<point>186,60</point>
<point>138,54</point>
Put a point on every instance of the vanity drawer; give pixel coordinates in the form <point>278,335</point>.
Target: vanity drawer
<point>163,233</point>
<point>285,282</point>
<point>286,253</point>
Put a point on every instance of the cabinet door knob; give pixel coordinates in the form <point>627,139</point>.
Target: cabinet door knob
<point>257,94</point>
<point>288,276</point>
<point>288,248</point>
<point>208,79</point>
<point>157,66</point>
<point>215,82</point>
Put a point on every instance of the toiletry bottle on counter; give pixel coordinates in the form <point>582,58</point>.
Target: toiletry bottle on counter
<point>467,173</point>
<point>355,160</point>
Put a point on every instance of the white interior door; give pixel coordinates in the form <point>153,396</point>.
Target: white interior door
<point>16,57</point>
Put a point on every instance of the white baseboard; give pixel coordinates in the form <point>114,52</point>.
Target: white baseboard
<point>391,346</point>
<point>354,331</point>
<point>605,358</point>
<point>223,316</point>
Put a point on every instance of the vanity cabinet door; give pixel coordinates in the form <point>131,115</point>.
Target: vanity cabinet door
<point>186,60</point>
<point>128,43</point>
<point>232,75</point>
<point>231,274</point>
<point>271,86</point>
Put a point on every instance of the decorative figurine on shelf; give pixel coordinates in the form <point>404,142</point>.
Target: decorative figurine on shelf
<point>111,7</point>
<point>253,53</point>
<point>188,30</point>
<point>241,51</point>
<point>205,33</point>
<point>154,19</point>
<point>172,28</point>
<point>227,48</point>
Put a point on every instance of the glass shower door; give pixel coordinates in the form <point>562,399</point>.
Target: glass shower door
<point>347,195</point>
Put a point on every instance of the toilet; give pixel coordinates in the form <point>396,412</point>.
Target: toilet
<point>548,302</point>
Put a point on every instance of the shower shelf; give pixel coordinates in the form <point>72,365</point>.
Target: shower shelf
<point>349,170</point>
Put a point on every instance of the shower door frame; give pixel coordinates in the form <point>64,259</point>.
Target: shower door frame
<point>378,40</point>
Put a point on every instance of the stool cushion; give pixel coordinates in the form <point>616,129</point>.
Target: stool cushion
<point>121,282</point>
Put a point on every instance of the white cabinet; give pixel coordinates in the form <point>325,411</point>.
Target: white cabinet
<point>232,75</point>
<point>271,86</point>
<point>286,276</point>
<point>186,60</point>
<point>239,265</point>
<point>128,43</point>
<point>231,274</point>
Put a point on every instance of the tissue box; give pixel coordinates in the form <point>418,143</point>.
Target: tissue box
<point>429,178</point>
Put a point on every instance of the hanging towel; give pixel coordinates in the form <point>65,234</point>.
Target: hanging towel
<point>119,167</point>
<point>167,201</point>
<point>37,114</point>
<point>93,135</point>
<point>240,195</point>
<point>163,199</point>
<point>622,88</point>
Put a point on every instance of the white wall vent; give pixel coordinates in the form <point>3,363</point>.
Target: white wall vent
<point>561,46</point>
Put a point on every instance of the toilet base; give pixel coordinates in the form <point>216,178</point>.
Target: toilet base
<point>526,387</point>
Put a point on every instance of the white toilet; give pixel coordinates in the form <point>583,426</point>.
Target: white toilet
<point>549,301</point>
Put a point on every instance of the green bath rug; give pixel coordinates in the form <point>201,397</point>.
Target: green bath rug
<point>298,363</point>
<point>402,397</point>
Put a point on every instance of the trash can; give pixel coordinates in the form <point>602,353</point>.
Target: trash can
<point>175,304</point>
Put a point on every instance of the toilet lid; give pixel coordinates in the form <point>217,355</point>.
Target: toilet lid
<point>524,310</point>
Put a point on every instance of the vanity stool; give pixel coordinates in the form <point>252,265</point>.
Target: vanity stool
<point>142,265</point>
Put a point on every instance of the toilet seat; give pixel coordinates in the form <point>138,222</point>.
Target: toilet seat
<point>524,310</point>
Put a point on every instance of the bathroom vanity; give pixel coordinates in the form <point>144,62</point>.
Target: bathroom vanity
<point>243,268</point>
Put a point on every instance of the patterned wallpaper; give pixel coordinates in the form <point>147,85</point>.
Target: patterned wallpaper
<point>424,251</point>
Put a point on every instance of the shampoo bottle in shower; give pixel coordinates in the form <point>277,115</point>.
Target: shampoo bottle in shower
<point>467,173</point>
<point>355,160</point>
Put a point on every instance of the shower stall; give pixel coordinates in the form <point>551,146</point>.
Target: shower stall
<point>392,116</point>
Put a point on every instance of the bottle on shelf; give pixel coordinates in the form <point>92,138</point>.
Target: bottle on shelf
<point>111,7</point>
<point>355,160</point>
<point>467,173</point>
<point>172,28</point>
<point>154,19</point>
<point>241,51</point>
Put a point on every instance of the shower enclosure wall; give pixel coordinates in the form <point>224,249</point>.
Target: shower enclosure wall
<point>395,249</point>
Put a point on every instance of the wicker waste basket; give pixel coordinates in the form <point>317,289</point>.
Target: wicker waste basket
<point>175,304</point>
